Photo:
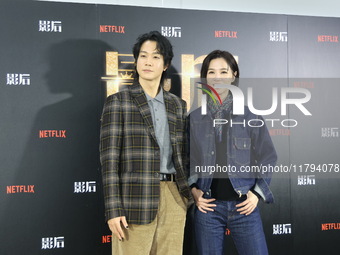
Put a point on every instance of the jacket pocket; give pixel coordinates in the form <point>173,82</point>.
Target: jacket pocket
<point>242,150</point>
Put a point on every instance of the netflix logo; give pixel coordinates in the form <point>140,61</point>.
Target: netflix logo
<point>107,239</point>
<point>229,34</point>
<point>330,226</point>
<point>52,133</point>
<point>20,189</point>
<point>279,132</point>
<point>328,38</point>
<point>112,29</point>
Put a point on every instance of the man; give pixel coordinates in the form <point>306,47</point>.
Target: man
<point>142,150</point>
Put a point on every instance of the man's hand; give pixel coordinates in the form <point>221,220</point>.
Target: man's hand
<point>115,226</point>
<point>248,205</point>
<point>202,203</point>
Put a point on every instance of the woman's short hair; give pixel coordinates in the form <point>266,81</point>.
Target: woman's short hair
<point>227,56</point>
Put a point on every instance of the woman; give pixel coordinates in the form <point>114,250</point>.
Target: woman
<point>228,198</point>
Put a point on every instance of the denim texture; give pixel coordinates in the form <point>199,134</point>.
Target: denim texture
<point>246,231</point>
<point>248,145</point>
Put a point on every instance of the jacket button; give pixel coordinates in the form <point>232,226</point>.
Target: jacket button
<point>212,153</point>
<point>240,193</point>
<point>207,193</point>
<point>156,175</point>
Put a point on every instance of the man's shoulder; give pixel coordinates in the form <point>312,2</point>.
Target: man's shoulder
<point>176,99</point>
<point>121,95</point>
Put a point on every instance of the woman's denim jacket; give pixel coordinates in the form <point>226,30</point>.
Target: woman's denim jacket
<point>249,146</point>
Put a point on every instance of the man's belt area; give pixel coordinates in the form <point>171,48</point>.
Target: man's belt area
<point>167,177</point>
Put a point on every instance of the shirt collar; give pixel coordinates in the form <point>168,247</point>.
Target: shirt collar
<point>159,97</point>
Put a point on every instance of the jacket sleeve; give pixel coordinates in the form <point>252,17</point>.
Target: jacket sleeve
<point>191,154</point>
<point>185,147</point>
<point>111,135</point>
<point>264,156</point>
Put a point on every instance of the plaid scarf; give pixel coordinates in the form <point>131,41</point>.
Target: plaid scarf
<point>219,111</point>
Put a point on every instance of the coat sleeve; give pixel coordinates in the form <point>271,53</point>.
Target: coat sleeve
<point>191,154</point>
<point>111,135</point>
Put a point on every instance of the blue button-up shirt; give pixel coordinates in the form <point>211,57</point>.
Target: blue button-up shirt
<point>161,126</point>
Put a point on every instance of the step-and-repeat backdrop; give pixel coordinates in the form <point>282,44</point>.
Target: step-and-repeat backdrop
<point>59,61</point>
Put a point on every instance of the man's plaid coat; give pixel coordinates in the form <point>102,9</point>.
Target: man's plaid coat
<point>130,155</point>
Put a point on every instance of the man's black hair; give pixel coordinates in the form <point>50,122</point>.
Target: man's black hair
<point>163,46</point>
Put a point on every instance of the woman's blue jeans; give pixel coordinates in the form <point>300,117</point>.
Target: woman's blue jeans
<point>246,231</point>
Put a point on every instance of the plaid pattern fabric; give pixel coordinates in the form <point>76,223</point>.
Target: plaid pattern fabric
<point>130,155</point>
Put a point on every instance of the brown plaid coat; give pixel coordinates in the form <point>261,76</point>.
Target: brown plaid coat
<point>130,155</point>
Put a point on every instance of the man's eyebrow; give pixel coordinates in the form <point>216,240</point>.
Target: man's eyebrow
<point>154,52</point>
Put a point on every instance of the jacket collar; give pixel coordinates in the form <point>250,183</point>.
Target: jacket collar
<point>209,116</point>
<point>140,99</point>
<point>171,110</point>
<point>138,95</point>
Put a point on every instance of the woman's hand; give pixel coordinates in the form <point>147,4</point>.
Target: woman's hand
<point>202,204</point>
<point>248,205</point>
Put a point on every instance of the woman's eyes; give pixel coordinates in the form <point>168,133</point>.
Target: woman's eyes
<point>223,72</point>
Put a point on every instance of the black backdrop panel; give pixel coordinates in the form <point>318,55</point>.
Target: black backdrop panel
<point>59,61</point>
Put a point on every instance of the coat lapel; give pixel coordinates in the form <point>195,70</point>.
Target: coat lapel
<point>138,95</point>
<point>170,107</point>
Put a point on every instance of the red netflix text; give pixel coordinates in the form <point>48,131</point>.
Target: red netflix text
<point>52,133</point>
<point>230,34</point>
<point>112,29</point>
<point>20,189</point>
